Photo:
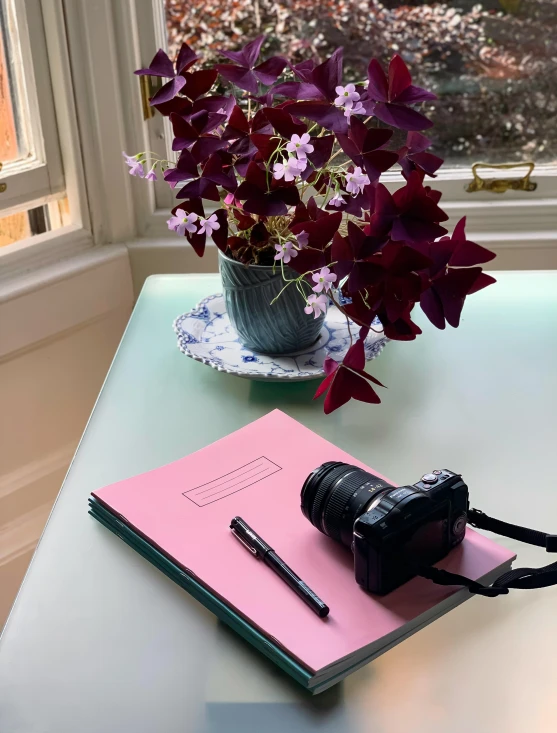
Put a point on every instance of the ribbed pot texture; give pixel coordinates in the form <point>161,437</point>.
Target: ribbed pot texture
<point>280,328</point>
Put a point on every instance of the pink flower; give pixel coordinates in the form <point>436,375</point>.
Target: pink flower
<point>208,226</point>
<point>356,109</point>
<point>151,176</point>
<point>182,222</point>
<point>356,181</point>
<point>317,304</point>
<point>136,168</point>
<point>289,170</point>
<point>301,146</point>
<point>285,252</point>
<point>323,280</point>
<point>337,200</point>
<point>302,239</point>
<point>346,95</point>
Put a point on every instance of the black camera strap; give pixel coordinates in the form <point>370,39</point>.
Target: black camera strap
<point>531,536</point>
<point>524,578</point>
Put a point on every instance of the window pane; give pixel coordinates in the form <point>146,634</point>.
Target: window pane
<point>35,220</point>
<point>493,65</point>
<point>13,138</point>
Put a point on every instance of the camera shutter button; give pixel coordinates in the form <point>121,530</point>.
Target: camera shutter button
<point>429,478</point>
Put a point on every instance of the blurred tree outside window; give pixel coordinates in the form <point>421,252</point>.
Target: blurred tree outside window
<point>493,64</point>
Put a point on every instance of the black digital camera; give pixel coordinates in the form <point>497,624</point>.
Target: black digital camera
<point>392,531</point>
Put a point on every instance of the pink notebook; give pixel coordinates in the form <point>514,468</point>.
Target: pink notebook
<point>185,509</point>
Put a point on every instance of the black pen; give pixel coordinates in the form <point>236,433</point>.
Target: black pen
<point>261,550</point>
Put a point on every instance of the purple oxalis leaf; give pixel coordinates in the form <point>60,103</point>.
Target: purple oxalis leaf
<point>402,117</point>
<point>297,90</point>
<point>168,91</point>
<point>322,149</point>
<point>414,95</point>
<point>283,122</point>
<point>200,188</point>
<point>269,71</point>
<point>199,83</point>
<point>246,74</point>
<point>304,70</point>
<point>328,75</point>
<point>392,93</point>
<point>220,236</point>
<point>206,146</point>
<point>252,50</point>
<point>240,76</point>
<point>185,170</point>
<point>186,58</point>
<point>328,116</point>
<point>161,65</point>
<point>184,133</point>
<point>214,171</point>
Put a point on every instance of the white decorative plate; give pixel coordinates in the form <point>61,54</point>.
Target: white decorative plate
<point>206,334</point>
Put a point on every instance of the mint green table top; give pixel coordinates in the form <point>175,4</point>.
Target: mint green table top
<point>99,641</point>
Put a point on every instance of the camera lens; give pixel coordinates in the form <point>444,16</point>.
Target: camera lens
<point>335,494</point>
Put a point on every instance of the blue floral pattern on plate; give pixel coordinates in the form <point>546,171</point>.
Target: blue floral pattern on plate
<point>206,334</point>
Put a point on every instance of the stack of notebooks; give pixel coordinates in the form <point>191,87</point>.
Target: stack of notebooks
<point>178,518</point>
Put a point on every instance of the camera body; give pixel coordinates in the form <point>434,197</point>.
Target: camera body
<point>391,530</point>
<point>409,526</point>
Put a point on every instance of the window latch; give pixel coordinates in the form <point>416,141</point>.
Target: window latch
<point>3,186</point>
<point>500,185</point>
<point>149,86</point>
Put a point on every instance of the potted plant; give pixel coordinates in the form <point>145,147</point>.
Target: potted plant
<point>292,158</point>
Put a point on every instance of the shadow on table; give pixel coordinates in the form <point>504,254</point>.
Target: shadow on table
<point>276,717</point>
<point>288,706</point>
<point>406,376</point>
<point>279,394</point>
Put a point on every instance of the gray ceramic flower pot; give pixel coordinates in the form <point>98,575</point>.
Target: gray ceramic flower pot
<point>280,328</point>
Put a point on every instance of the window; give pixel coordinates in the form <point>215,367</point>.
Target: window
<point>35,220</point>
<point>45,201</point>
<point>492,65</point>
<point>29,147</point>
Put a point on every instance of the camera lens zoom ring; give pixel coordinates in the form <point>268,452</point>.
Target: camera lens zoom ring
<point>338,500</point>
<point>325,483</point>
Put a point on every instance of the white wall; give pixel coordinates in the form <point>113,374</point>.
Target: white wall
<point>56,344</point>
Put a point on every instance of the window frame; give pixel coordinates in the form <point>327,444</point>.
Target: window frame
<point>39,176</point>
<point>30,255</point>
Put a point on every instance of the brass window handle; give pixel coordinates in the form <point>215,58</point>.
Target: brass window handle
<point>149,86</point>
<point>500,185</point>
<point>3,186</point>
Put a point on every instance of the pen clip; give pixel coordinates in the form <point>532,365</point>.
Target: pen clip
<point>245,544</point>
